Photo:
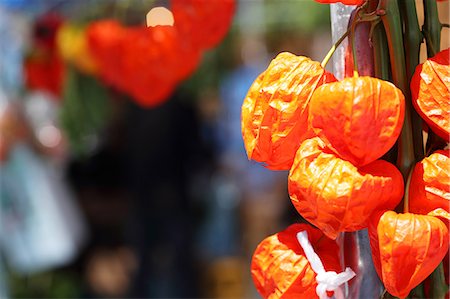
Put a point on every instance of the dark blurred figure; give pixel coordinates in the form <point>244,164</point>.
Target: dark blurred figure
<point>163,150</point>
<point>135,193</point>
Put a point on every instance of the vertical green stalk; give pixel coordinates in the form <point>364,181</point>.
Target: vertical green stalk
<point>394,33</point>
<point>413,39</point>
<point>381,70</point>
<point>380,53</point>
<point>431,27</point>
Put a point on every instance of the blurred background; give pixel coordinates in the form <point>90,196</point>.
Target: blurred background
<point>110,191</point>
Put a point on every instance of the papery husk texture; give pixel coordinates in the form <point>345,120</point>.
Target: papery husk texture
<point>335,195</point>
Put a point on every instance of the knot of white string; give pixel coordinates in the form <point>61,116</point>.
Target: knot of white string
<point>326,280</point>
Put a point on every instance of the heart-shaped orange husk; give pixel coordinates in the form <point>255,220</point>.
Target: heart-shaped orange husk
<point>123,52</point>
<point>406,248</point>
<point>430,184</point>
<point>335,195</point>
<point>430,90</point>
<point>359,118</point>
<point>275,110</point>
<point>280,268</point>
<point>151,49</point>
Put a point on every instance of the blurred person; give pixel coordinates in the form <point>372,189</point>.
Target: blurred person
<point>163,151</point>
<point>40,224</point>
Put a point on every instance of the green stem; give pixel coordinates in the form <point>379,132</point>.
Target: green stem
<point>413,38</point>
<point>381,69</point>
<point>380,53</point>
<point>393,27</point>
<point>431,27</point>
<point>333,49</point>
<point>431,50</point>
<point>439,287</point>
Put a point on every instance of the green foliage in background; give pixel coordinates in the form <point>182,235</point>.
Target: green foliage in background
<point>52,284</point>
<point>85,110</point>
<point>307,15</point>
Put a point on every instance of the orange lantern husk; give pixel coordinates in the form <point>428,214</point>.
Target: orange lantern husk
<point>335,195</point>
<point>148,64</point>
<point>406,248</point>
<point>358,118</point>
<point>430,184</point>
<point>275,110</point>
<point>430,90</point>
<point>280,268</point>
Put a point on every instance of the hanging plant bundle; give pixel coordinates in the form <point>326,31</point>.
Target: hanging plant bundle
<point>358,118</point>
<point>332,134</point>
<point>430,87</point>
<point>280,268</point>
<point>337,196</point>
<point>406,248</point>
<point>275,110</point>
<point>430,184</point>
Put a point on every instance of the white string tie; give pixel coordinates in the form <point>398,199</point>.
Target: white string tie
<point>326,280</point>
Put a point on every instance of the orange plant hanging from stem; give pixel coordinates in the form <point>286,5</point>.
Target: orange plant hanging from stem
<point>430,184</point>
<point>280,268</point>
<point>335,195</point>
<point>358,118</point>
<point>430,88</point>
<point>406,248</point>
<point>275,110</point>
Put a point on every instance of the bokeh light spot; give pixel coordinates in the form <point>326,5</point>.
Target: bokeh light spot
<point>159,16</point>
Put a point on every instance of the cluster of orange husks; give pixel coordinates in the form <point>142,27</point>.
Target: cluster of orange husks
<point>331,135</point>
<point>144,62</point>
